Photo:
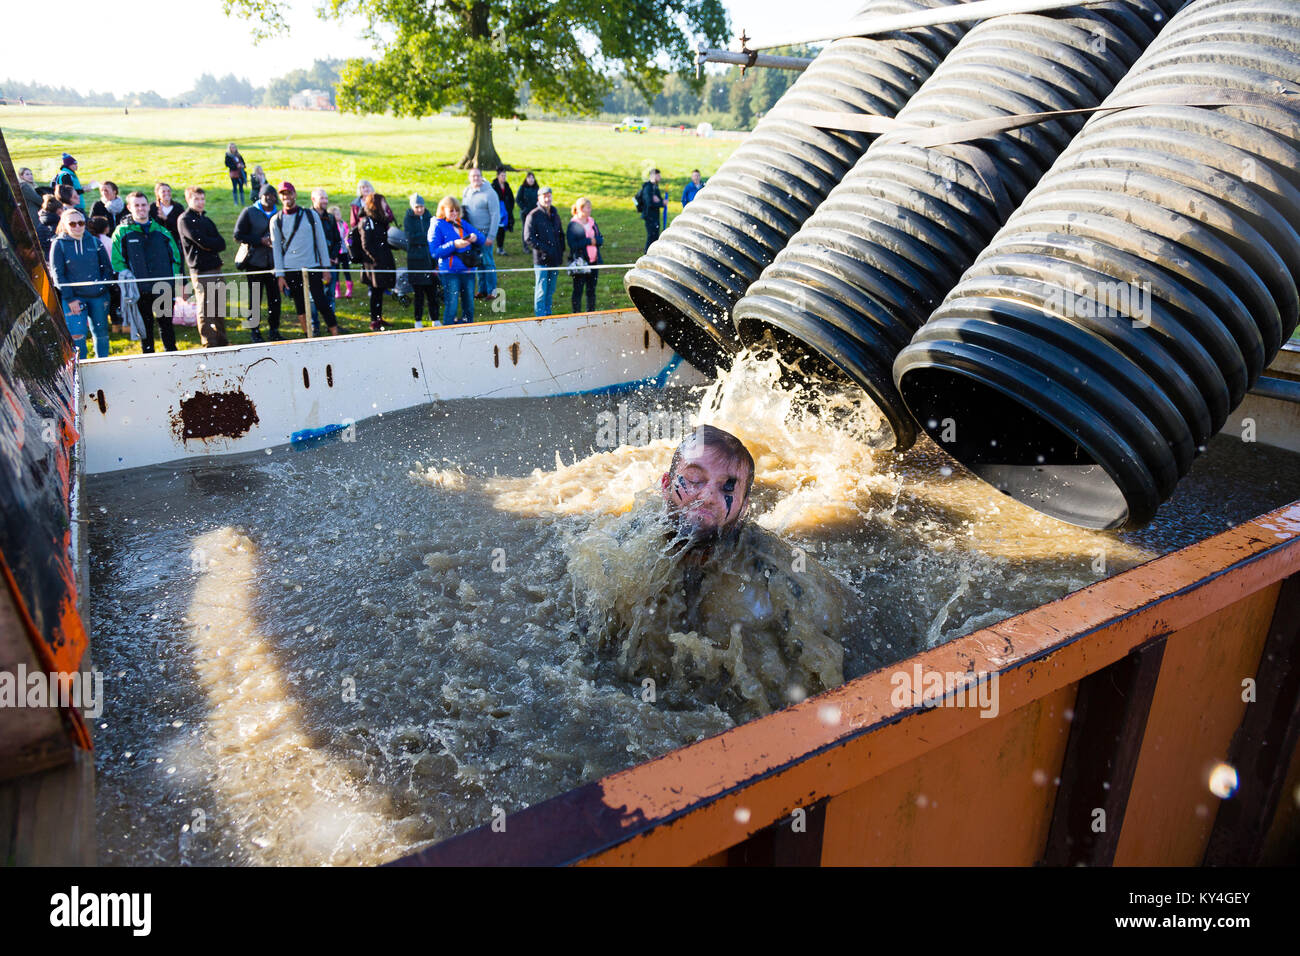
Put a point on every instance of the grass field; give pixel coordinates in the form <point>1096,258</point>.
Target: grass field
<point>400,156</point>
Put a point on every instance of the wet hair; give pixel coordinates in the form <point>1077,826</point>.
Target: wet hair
<point>731,447</point>
<point>97,225</point>
<point>446,204</point>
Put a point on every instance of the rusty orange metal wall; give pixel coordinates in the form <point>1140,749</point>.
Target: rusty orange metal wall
<point>983,799</point>
<point>1197,706</point>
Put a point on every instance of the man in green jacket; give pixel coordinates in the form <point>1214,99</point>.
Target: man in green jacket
<point>149,251</point>
<point>650,204</point>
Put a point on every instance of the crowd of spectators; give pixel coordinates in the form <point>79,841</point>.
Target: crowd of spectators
<point>110,265</point>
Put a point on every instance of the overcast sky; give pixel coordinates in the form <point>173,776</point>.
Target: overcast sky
<point>200,38</point>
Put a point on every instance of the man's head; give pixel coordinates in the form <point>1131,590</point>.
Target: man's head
<point>695,176</point>
<point>320,199</point>
<point>706,488</point>
<point>288,195</point>
<point>267,197</point>
<point>476,177</point>
<point>196,198</point>
<point>138,203</point>
<point>544,198</point>
<point>654,175</point>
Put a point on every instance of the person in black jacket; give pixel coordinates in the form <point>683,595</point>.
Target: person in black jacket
<point>164,211</point>
<point>237,171</point>
<point>526,198</point>
<point>201,245</point>
<point>650,205</point>
<point>46,222</point>
<point>544,234</point>
<point>501,186</point>
<point>379,269</point>
<point>110,205</point>
<point>253,228</point>
<point>419,263</point>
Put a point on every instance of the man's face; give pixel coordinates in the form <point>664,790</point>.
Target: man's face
<point>654,177</point>
<point>321,201</point>
<point>139,208</point>
<point>289,198</point>
<point>707,493</point>
<point>418,209</point>
<point>695,177</point>
<point>198,201</point>
<point>476,178</point>
<point>267,200</point>
<point>544,200</point>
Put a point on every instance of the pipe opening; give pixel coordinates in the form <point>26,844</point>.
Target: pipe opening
<point>1015,447</point>
<point>689,339</point>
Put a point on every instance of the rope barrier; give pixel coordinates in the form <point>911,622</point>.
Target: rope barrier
<point>261,272</point>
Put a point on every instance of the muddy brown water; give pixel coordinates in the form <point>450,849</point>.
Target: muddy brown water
<point>342,652</point>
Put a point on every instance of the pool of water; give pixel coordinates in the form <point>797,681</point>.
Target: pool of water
<point>341,652</point>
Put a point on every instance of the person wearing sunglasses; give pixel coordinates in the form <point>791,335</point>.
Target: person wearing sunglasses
<point>81,271</point>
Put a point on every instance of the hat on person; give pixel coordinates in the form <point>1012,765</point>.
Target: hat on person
<point>267,190</point>
<point>544,189</point>
<point>286,187</point>
<point>67,159</point>
<point>416,200</point>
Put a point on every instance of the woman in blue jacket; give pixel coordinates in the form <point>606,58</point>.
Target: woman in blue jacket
<point>452,241</point>
<point>74,258</point>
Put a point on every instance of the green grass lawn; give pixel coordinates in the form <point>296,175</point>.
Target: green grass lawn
<point>400,156</point>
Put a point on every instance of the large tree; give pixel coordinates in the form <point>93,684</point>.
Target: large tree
<point>476,54</point>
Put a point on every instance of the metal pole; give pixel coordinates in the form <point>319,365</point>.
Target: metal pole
<point>953,13</point>
<point>745,60</point>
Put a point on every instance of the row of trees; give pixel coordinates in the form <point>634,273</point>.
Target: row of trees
<point>209,90</point>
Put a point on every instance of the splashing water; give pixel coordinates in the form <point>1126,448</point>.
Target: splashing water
<point>491,580</point>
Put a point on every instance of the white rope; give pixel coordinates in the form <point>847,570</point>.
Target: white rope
<point>261,272</point>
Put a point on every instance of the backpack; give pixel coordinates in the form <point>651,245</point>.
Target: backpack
<point>640,201</point>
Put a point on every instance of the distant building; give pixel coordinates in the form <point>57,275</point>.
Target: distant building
<point>311,100</point>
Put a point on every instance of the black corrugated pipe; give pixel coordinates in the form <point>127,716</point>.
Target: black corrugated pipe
<point>688,281</point>
<point>1122,313</point>
<point>863,274</point>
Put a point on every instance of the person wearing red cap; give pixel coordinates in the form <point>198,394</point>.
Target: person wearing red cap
<point>298,245</point>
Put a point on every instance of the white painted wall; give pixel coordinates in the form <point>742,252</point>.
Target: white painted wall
<point>371,373</point>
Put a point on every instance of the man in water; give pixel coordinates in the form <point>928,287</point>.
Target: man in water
<point>714,608</point>
<point>706,487</point>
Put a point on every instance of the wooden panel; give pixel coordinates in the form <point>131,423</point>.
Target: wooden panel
<point>31,738</point>
<point>48,818</point>
<point>1196,710</point>
<point>1264,741</point>
<point>982,799</point>
<point>1282,845</point>
<point>1110,719</point>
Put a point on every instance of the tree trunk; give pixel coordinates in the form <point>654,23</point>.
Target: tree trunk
<point>481,152</point>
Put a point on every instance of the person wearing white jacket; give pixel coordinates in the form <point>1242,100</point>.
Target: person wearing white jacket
<point>298,244</point>
<point>482,210</point>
